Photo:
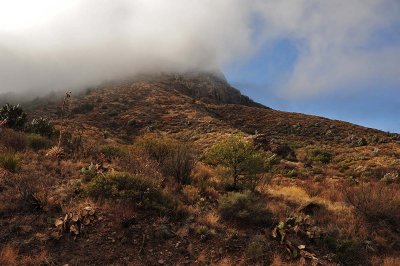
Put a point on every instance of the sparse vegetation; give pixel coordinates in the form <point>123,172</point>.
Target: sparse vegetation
<point>244,207</point>
<point>255,250</point>
<point>376,202</point>
<point>138,190</point>
<point>14,140</point>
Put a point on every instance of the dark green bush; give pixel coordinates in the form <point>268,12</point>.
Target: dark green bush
<point>83,108</point>
<point>10,161</point>
<point>14,115</point>
<point>111,152</point>
<point>244,207</point>
<point>130,188</point>
<point>37,142</point>
<point>113,112</point>
<point>319,155</point>
<point>41,126</point>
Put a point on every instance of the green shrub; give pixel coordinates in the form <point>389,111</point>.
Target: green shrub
<point>111,152</point>
<point>204,232</point>
<point>41,126</point>
<point>243,207</point>
<point>319,155</point>
<point>158,148</point>
<point>83,108</point>
<point>37,142</point>
<point>14,115</point>
<point>130,188</point>
<point>10,161</point>
<point>14,140</point>
<point>239,156</point>
<point>113,112</point>
<point>89,172</point>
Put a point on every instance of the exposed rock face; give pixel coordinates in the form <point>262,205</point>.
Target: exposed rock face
<point>209,87</point>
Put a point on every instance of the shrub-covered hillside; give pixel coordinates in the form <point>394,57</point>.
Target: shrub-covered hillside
<point>153,172</point>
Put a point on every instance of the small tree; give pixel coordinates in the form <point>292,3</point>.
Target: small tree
<point>14,116</point>
<point>238,155</point>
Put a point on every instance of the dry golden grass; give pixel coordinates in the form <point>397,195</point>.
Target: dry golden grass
<point>210,219</point>
<point>386,261</point>
<point>291,193</point>
<point>191,193</point>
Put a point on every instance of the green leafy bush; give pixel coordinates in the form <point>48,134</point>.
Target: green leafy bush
<point>37,142</point>
<point>239,156</point>
<point>130,188</point>
<point>10,161</point>
<point>14,115</point>
<point>244,207</point>
<point>41,126</point>
<point>319,155</point>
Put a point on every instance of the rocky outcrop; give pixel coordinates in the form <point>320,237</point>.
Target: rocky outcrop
<point>211,87</point>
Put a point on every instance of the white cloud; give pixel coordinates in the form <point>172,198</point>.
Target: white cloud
<point>74,43</point>
<point>336,43</point>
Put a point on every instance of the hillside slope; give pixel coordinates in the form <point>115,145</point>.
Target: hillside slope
<point>308,192</point>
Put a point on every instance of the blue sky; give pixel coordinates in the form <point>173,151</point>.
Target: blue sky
<point>370,98</point>
<point>261,76</point>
